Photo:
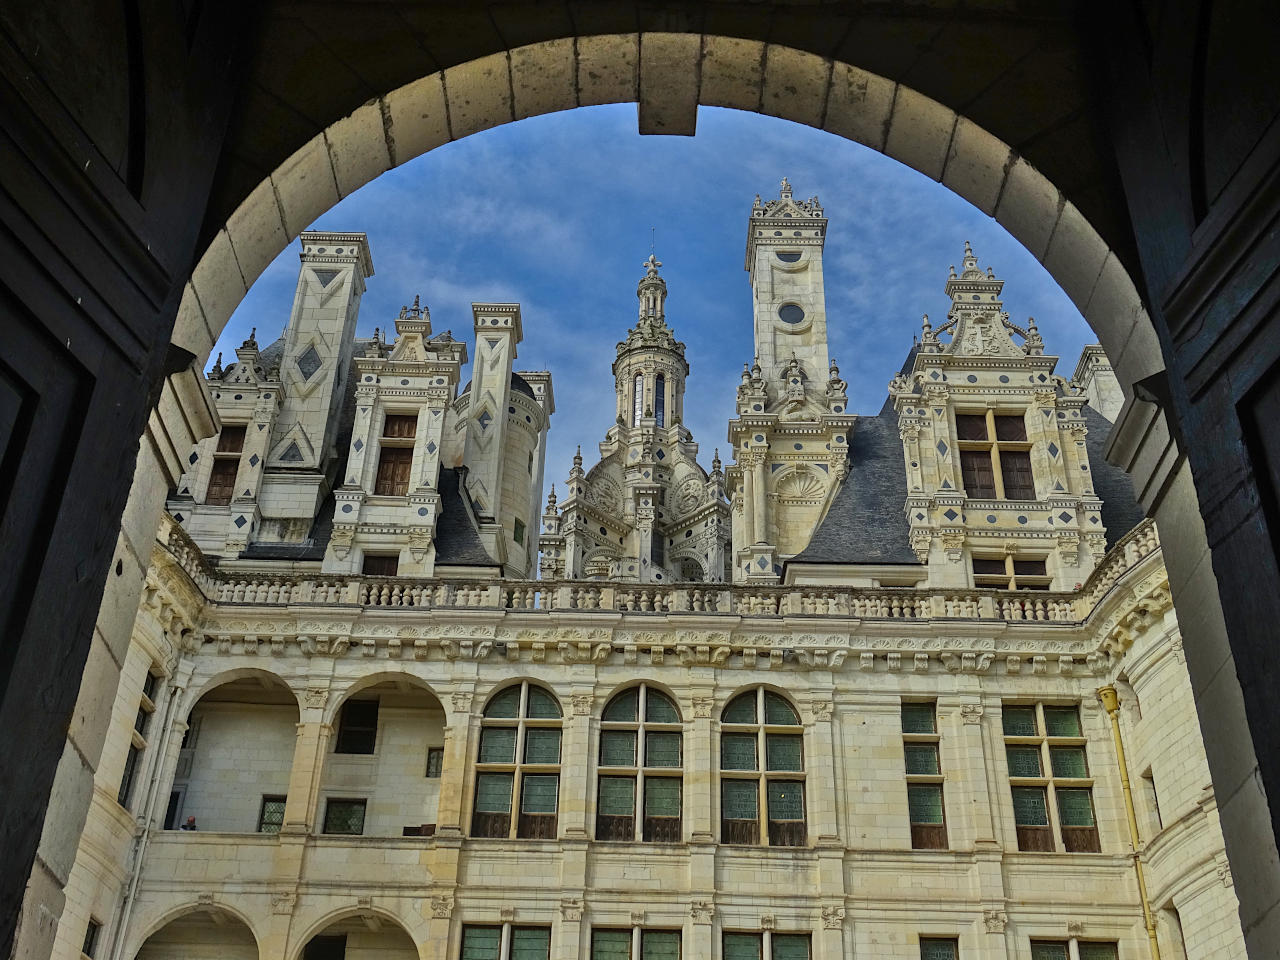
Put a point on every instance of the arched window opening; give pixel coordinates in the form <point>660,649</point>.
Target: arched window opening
<point>690,570</point>
<point>640,764</point>
<point>249,725</point>
<point>660,400</point>
<point>518,765</point>
<point>637,394</point>
<point>755,726</point>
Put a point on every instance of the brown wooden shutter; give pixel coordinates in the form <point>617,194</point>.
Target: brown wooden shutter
<point>394,465</point>
<point>977,474</point>
<point>1019,481</point>
<point>222,481</point>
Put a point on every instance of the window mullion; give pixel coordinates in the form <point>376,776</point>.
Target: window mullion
<point>504,950</point>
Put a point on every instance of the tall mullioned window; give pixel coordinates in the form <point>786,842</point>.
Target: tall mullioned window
<point>518,767</point>
<point>638,943</point>
<point>226,464</point>
<point>766,945</point>
<point>505,942</point>
<point>762,771</point>
<point>924,776</point>
<point>1049,778</point>
<point>995,456</point>
<point>637,406</point>
<point>1010,573</point>
<point>660,400</point>
<point>640,767</point>
<point>395,455</point>
<point>138,739</point>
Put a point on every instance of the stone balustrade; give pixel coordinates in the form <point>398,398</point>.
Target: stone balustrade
<point>882,603</point>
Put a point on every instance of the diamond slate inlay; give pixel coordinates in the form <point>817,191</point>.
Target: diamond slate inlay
<point>291,453</point>
<point>1053,449</point>
<point>241,521</point>
<point>309,362</point>
<point>1064,517</point>
<point>253,461</point>
<point>919,516</point>
<point>359,445</point>
<point>950,514</point>
<point>485,419</point>
<point>192,459</point>
<point>431,446</point>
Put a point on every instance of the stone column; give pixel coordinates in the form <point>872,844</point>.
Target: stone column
<point>309,753</point>
<point>761,531</point>
<point>748,497</point>
<point>458,737</point>
<point>576,769</point>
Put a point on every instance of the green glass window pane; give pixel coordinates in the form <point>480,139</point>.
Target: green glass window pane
<point>660,945</point>
<point>623,707</point>
<point>783,751</point>
<point>777,710</point>
<point>661,797</point>
<point>790,946</point>
<point>1019,721</point>
<point>658,708</point>
<point>1049,950</point>
<point>541,746</point>
<point>738,751</point>
<point>1068,762</point>
<point>344,817</point>
<point>493,793</point>
<point>1075,807</point>
<point>924,802</point>
<point>662,749</point>
<point>741,709</point>
<point>498,745</point>
<point>618,796</point>
<point>922,758</point>
<point>272,817</point>
<point>531,943</point>
<point>931,949</point>
<point>919,718</point>
<point>1029,807</point>
<point>743,946</point>
<point>542,705</point>
<point>1062,721</point>
<point>505,705</point>
<point>1097,951</point>
<point>610,945</point>
<point>481,943</point>
<point>786,800</point>
<point>538,793</point>
<point>1023,761</point>
<point>738,799</point>
<point>617,748</point>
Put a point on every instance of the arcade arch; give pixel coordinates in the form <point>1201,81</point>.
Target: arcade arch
<point>201,933</point>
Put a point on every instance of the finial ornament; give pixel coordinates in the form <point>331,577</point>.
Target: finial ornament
<point>251,341</point>
<point>651,266</point>
<point>551,500</point>
<point>577,457</point>
<point>968,250</point>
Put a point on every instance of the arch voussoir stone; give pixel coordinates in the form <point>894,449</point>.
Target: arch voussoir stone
<point>543,78</point>
<point>669,68</point>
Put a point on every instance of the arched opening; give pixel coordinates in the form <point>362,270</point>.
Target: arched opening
<point>233,767</point>
<point>205,933</point>
<point>660,400</point>
<point>362,934</point>
<point>381,775</point>
<point>690,570</point>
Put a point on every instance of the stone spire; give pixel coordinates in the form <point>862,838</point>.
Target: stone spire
<point>652,292</point>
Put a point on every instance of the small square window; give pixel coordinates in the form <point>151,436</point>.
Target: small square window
<point>380,565</point>
<point>435,762</point>
<point>344,817</point>
<point>919,718</point>
<point>271,815</point>
<point>936,948</point>
<point>517,533</point>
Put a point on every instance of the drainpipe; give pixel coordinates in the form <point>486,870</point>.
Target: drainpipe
<point>140,844</point>
<point>1111,703</point>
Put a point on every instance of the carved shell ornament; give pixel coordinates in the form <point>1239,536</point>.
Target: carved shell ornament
<point>800,485</point>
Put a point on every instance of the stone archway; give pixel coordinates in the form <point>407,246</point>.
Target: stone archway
<point>669,75</point>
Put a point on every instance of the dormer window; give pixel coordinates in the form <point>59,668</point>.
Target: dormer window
<point>395,456</point>
<point>995,457</point>
<point>226,464</point>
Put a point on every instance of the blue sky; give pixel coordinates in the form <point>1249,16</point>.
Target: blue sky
<point>555,213</point>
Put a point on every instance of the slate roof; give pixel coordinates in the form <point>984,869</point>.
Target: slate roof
<point>1121,511</point>
<point>457,539</point>
<point>865,523</point>
<point>518,383</point>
